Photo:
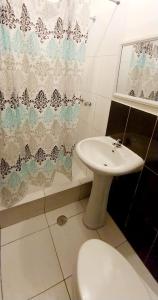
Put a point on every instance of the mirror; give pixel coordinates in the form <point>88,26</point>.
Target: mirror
<point>138,72</point>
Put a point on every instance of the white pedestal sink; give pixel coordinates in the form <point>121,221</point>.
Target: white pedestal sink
<point>105,160</point>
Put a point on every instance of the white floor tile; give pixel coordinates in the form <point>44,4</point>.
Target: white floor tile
<point>127,251</point>
<point>69,210</point>
<point>58,292</point>
<point>110,233</point>
<point>153,295</point>
<point>68,240</point>
<point>21,229</point>
<point>69,285</point>
<point>84,203</point>
<point>29,266</point>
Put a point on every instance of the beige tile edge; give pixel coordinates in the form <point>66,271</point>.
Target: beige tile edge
<point>21,212</point>
<point>36,207</point>
<point>67,196</point>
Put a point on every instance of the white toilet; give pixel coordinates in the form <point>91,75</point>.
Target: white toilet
<point>102,273</point>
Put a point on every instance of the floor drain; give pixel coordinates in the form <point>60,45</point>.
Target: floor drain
<point>105,165</point>
<point>61,220</point>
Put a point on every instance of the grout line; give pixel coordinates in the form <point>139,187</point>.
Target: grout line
<point>108,243</point>
<point>48,225</point>
<point>67,287</point>
<point>76,214</point>
<point>126,125</point>
<point>80,213</point>
<point>106,30</point>
<point>125,241</point>
<point>68,277</point>
<point>151,170</point>
<point>55,249</point>
<point>56,253</point>
<point>99,234</point>
<point>22,237</point>
<point>46,290</point>
<point>151,248</point>
<point>151,139</point>
<point>133,201</point>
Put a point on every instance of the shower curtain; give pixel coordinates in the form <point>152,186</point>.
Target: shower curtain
<point>143,73</point>
<point>42,50</point>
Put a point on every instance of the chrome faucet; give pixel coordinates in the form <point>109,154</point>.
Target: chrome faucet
<point>117,144</point>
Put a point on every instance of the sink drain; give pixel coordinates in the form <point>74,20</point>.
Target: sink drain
<point>61,220</point>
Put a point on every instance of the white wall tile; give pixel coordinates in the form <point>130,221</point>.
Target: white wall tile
<point>103,11</point>
<point>144,14</point>
<point>104,75</point>
<point>87,112</point>
<point>102,108</point>
<point>99,132</point>
<point>88,74</point>
<point>85,130</point>
<point>113,25</point>
<point>115,33</point>
<point>100,68</point>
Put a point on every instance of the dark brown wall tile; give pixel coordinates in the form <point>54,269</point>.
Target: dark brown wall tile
<point>136,213</point>
<point>152,157</point>
<point>143,222</point>
<point>120,197</point>
<point>117,120</point>
<point>152,261</point>
<point>139,130</point>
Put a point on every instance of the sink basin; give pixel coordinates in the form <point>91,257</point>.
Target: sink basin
<point>100,156</point>
<point>105,160</point>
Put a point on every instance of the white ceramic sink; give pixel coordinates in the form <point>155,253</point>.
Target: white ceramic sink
<point>99,154</point>
<point>105,160</point>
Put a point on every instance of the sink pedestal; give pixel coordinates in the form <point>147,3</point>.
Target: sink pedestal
<point>94,216</point>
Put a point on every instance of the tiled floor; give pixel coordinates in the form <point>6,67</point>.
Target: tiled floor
<point>37,255</point>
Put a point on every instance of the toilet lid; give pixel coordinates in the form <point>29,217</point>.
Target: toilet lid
<point>104,274</point>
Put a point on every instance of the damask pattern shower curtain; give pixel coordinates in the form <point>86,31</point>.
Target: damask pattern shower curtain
<point>42,49</point>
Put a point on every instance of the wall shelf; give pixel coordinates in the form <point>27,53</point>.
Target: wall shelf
<point>139,103</point>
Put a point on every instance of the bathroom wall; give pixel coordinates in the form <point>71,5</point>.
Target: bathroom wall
<point>105,36</point>
<point>141,19</point>
<point>132,19</point>
<point>133,198</point>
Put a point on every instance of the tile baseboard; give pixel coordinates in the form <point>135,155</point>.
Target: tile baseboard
<point>37,207</point>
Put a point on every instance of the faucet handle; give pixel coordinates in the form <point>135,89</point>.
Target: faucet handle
<point>118,143</point>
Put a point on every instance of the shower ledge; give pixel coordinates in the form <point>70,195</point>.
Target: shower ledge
<point>36,193</point>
